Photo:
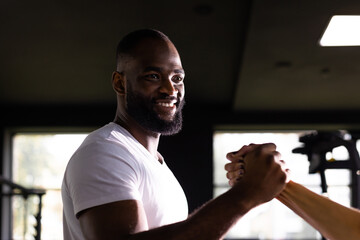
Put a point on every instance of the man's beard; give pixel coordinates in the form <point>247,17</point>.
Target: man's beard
<point>140,109</point>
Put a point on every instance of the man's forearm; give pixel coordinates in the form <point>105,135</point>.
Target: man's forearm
<point>265,178</point>
<point>333,220</point>
<point>210,222</point>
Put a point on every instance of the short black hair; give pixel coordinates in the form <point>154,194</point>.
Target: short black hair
<point>131,40</point>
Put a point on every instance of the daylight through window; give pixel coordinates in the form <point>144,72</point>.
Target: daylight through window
<point>39,161</point>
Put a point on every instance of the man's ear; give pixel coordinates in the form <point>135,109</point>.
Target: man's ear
<point>119,82</point>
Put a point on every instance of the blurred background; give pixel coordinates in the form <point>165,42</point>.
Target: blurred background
<point>255,72</point>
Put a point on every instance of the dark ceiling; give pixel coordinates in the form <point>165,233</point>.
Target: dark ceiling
<point>245,55</point>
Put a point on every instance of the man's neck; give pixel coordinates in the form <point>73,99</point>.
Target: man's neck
<point>148,139</point>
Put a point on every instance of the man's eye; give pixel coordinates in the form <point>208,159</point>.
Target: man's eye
<point>152,77</point>
<point>177,79</point>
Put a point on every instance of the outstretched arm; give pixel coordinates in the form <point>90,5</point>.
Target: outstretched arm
<point>125,220</point>
<point>333,220</point>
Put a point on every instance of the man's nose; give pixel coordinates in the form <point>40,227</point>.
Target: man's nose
<point>168,87</point>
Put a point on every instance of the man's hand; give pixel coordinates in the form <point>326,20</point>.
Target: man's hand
<point>260,167</point>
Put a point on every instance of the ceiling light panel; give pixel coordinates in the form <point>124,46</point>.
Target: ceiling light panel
<point>343,30</point>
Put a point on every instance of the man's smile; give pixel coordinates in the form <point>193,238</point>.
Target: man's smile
<point>166,103</point>
<point>166,108</point>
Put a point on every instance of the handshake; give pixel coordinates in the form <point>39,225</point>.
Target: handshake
<point>260,169</point>
<point>257,173</point>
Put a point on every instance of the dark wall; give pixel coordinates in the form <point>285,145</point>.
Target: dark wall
<point>189,155</point>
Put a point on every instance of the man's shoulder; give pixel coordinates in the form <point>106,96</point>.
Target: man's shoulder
<point>102,155</point>
<point>107,134</point>
<point>108,145</point>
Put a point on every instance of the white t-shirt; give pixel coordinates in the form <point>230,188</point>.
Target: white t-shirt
<point>111,165</point>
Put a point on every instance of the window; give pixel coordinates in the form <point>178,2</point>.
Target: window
<point>273,220</point>
<point>39,161</point>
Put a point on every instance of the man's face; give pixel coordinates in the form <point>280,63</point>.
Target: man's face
<point>155,87</point>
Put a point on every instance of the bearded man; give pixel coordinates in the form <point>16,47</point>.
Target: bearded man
<point>118,186</point>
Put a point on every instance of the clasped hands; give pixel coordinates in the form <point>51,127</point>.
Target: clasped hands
<point>261,167</point>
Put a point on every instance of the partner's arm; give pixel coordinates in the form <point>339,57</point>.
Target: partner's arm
<point>333,220</point>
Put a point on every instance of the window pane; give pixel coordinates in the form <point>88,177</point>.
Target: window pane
<point>39,161</point>
<point>273,220</point>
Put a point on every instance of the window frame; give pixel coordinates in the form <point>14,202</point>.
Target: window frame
<point>6,220</point>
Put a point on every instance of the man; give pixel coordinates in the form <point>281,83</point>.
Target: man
<point>117,185</point>
<point>333,220</point>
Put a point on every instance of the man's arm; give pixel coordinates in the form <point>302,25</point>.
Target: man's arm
<point>125,220</point>
<point>333,220</point>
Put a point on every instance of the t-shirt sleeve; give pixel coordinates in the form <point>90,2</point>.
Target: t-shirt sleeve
<point>101,173</point>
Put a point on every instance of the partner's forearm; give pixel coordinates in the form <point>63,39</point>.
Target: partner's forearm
<point>333,220</point>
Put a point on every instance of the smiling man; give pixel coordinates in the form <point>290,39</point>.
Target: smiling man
<point>153,75</point>
<point>118,186</point>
